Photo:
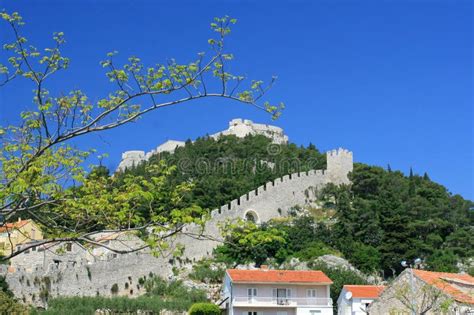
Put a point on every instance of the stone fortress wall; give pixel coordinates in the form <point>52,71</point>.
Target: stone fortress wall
<point>271,200</point>
<point>80,278</point>
<point>85,278</point>
<point>237,127</point>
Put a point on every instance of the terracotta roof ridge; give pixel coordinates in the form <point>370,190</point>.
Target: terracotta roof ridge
<point>364,285</point>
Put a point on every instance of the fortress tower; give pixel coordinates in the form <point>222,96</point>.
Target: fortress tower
<point>339,165</point>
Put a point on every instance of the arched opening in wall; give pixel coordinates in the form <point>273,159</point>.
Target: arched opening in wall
<point>251,216</point>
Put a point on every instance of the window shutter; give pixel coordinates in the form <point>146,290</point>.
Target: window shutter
<point>288,293</point>
<point>274,294</point>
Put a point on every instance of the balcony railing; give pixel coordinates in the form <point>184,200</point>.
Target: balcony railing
<point>280,301</point>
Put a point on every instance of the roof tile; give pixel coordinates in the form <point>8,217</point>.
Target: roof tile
<point>365,291</point>
<point>283,276</point>
<point>14,225</point>
<point>446,282</point>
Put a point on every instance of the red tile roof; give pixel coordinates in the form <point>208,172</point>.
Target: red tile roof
<point>449,283</point>
<point>14,225</point>
<point>273,276</point>
<point>365,291</point>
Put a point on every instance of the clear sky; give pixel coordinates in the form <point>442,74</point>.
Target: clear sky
<point>390,80</point>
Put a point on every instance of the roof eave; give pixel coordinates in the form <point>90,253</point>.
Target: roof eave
<point>282,282</point>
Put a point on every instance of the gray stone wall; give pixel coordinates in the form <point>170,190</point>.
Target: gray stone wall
<point>33,285</point>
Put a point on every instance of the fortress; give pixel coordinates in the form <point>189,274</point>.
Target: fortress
<point>237,127</point>
<point>79,274</point>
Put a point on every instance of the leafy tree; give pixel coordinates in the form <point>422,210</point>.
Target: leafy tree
<point>246,242</point>
<point>365,257</point>
<point>41,171</point>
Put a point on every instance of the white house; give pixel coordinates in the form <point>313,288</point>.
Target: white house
<point>354,299</point>
<point>277,292</point>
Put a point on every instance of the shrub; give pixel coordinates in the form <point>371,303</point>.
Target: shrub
<point>114,289</point>
<point>204,309</point>
<point>204,272</point>
<point>8,305</point>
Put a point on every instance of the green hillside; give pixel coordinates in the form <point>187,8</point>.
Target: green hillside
<point>379,220</point>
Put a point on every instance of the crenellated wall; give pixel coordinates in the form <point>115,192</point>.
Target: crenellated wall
<point>272,200</point>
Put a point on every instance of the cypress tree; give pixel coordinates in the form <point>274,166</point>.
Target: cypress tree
<point>411,184</point>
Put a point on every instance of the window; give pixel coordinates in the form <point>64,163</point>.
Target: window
<point>69,247</point>
<point>281,296</point>
<point>252,313</point>
<point>311,293</point>
<point>251,294</point>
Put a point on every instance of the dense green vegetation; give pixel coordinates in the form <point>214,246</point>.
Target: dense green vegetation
<point>392,217</point>
<point>160,295</point>
<point>277,240</point>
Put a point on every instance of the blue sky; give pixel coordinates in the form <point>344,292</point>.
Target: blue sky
<point>390,80</point>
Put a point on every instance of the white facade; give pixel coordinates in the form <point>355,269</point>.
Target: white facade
<point>353,306</point>
<point>276,298</point>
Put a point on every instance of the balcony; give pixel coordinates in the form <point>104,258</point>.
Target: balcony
<point>263,301</point>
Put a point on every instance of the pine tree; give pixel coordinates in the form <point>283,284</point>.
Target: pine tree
<point>411,185</point>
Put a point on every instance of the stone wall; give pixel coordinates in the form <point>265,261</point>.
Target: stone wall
<point>425,298</point>
<point>33,285</point>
